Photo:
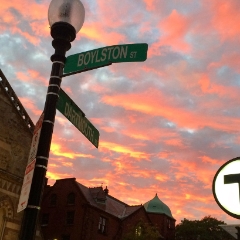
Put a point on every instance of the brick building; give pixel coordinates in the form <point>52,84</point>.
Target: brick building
<point>72,211</point>
<point>160,214</point>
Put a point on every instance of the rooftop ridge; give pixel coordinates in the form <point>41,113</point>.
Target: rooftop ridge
<point>126,205</point>
<point>16,102</point>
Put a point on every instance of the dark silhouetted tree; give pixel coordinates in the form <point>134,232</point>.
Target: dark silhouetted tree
<point>142,231</point>
<point>204,229</point>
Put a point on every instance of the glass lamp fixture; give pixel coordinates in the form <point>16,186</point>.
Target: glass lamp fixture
<point>69,11</point>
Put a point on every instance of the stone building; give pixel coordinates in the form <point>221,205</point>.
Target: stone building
<point>16,130</point>
<point>72,211</point>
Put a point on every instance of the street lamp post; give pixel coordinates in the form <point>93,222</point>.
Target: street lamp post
<point>66,18</point>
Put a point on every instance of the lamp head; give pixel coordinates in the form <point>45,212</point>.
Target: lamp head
<point>67,11</point>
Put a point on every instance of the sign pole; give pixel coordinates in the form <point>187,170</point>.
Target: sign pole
<point>62,33</point>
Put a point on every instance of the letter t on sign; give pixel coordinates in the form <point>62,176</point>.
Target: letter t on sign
<point>233,178</point>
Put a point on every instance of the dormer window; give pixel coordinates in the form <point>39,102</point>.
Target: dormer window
<point>100,200</point>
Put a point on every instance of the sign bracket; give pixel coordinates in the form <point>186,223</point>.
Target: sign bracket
<point>85,70</point>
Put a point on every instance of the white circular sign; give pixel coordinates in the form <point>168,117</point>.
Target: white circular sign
<point>226,187</point>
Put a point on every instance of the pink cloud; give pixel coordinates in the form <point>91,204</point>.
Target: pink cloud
<point>32,76</point>
<point>61,150</point>
<point>31,106</point>
<point>150,4</point>
<point>226,18</point>
<point>149,101</point>
<point>97,33</point>
<point>175,28</point>
<point>110,146</point>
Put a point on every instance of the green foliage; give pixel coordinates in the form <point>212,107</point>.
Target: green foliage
<point>142,231</point>
<point>204,229</point>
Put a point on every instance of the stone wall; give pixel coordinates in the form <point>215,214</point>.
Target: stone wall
<point>15,142</point>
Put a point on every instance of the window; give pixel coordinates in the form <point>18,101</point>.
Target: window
<point>102,225</point>
<point>138,231</point>
<point>168,223</point>
<point>45,219</point>
<point>70,217</point>
<point>53,200</point>
<point>71,199</point>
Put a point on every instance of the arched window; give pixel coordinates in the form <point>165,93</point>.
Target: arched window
<point>71,199</point>
<point>53,200</point>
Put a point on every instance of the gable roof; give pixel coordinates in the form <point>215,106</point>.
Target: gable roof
<point>99,199</point>
<point>11,95</point>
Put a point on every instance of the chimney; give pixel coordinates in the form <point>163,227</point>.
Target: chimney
<point>106,190</point>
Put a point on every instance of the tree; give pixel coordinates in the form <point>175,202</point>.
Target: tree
<point>204,229</point>
<point>142,231</point>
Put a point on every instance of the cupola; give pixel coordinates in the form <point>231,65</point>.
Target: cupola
<point>157,206</point>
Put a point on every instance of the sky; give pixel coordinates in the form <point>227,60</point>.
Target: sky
<point>166,124</point>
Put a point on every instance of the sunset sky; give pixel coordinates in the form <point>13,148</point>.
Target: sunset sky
<point>167,124</point>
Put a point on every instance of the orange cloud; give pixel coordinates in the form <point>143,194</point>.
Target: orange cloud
<point>31,106</point>
<point>155,103</point>
<point>226,18</point>
<point>123,149</point>
<point>55,175</point>
<point>43,31</point>
<point>27,8</point>
<point>208,86</point>
<point>174,28</point>
<point>161,177</point>
<point>150,4</point>
<point>175,142</point>
<point>164,154</point>
<point>210,160</point>
<point>97,33</point>
<point>35,13</point>
<point>31,76</point>
<point>31,38</point>
<point>58,150</point>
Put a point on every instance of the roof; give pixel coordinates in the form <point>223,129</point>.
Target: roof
<point>98,198</point>
<point>231,229</point>
<point>11,95</point>
<point>157,206</point>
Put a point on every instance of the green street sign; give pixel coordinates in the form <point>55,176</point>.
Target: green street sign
<point>76,116</point>
<point>105,56</point>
